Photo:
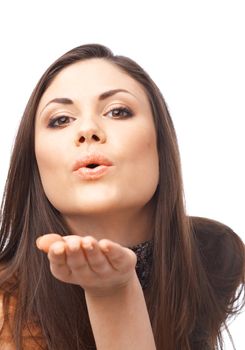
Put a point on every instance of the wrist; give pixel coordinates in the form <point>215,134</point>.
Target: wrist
<point>115,290</point>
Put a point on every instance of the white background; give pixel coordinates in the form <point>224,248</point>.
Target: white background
<point>194,50</point>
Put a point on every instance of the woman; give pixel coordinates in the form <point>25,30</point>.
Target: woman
<point>97,251</point>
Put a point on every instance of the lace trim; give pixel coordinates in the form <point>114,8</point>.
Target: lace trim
<point>144,261</point>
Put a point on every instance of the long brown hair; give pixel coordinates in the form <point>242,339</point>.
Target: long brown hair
<point>180,298</point>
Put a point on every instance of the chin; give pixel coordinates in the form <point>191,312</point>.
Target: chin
<point>89,208</point>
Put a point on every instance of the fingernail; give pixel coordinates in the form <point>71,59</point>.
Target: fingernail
<point>58,250</point>
<point>87,244</point>
<point>73,245</point>
<point>105,249</point>
<point>38,241</point>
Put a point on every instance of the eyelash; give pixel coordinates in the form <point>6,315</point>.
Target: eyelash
<point>126,110</point>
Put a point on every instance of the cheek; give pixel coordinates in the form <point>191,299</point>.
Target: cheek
<point>51,162</point>
<point>49,158</point>
<point>46,158</point>
<point>143,156</point>
<point>145,149</point>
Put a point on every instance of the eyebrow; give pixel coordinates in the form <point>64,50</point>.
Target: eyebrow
<point>103,96</point>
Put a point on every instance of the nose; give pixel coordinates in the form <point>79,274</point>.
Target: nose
<point>89,132</point>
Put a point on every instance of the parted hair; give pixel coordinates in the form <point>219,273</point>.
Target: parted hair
<point>181,297</point>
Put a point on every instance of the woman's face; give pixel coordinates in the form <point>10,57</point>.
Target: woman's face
<point>90,123</point>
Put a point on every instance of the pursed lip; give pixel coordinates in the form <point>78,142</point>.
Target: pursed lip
<point>92,158</point>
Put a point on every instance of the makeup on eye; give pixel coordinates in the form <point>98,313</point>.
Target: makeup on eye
<point>120,112</point>
<point>54,122</point>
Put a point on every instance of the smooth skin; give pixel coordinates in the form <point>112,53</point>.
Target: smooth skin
<point>106,272</point>
<point>97,266</point>
<point>107,215</point>
<point>117,206</point>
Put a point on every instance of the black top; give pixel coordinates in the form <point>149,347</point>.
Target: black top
<point>220,253</point>
<point>222,256</point>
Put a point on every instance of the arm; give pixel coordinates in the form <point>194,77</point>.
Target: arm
<point>120,321</point>
<point>6,341</point>
<point>115,300</point>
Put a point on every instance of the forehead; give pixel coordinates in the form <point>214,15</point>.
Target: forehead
<point>90,78</point>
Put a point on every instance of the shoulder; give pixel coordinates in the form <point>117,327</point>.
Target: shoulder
<point>7,310</point>
<point>221,259</point>
<point>222,253</point>
<point>31,335</point>
<point>217,241</point>
<point>5,331</point>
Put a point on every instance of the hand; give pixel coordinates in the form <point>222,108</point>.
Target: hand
<point>99,267</point>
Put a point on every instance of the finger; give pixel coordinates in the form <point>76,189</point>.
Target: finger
<point>57,258</point>
<point>97,260</point>
<point>121,258</point>
<point>75,257</point>
<point>44,242</point>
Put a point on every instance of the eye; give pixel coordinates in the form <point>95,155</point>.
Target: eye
<point>119,112</point>
<point>59,121</point>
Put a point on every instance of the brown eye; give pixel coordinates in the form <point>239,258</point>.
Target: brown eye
<point>58,121</point>
<point>119,112</point>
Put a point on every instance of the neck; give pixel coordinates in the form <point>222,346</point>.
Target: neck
<point>127,228</point>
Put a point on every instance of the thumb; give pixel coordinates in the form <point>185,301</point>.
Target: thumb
<point>44,242</point>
